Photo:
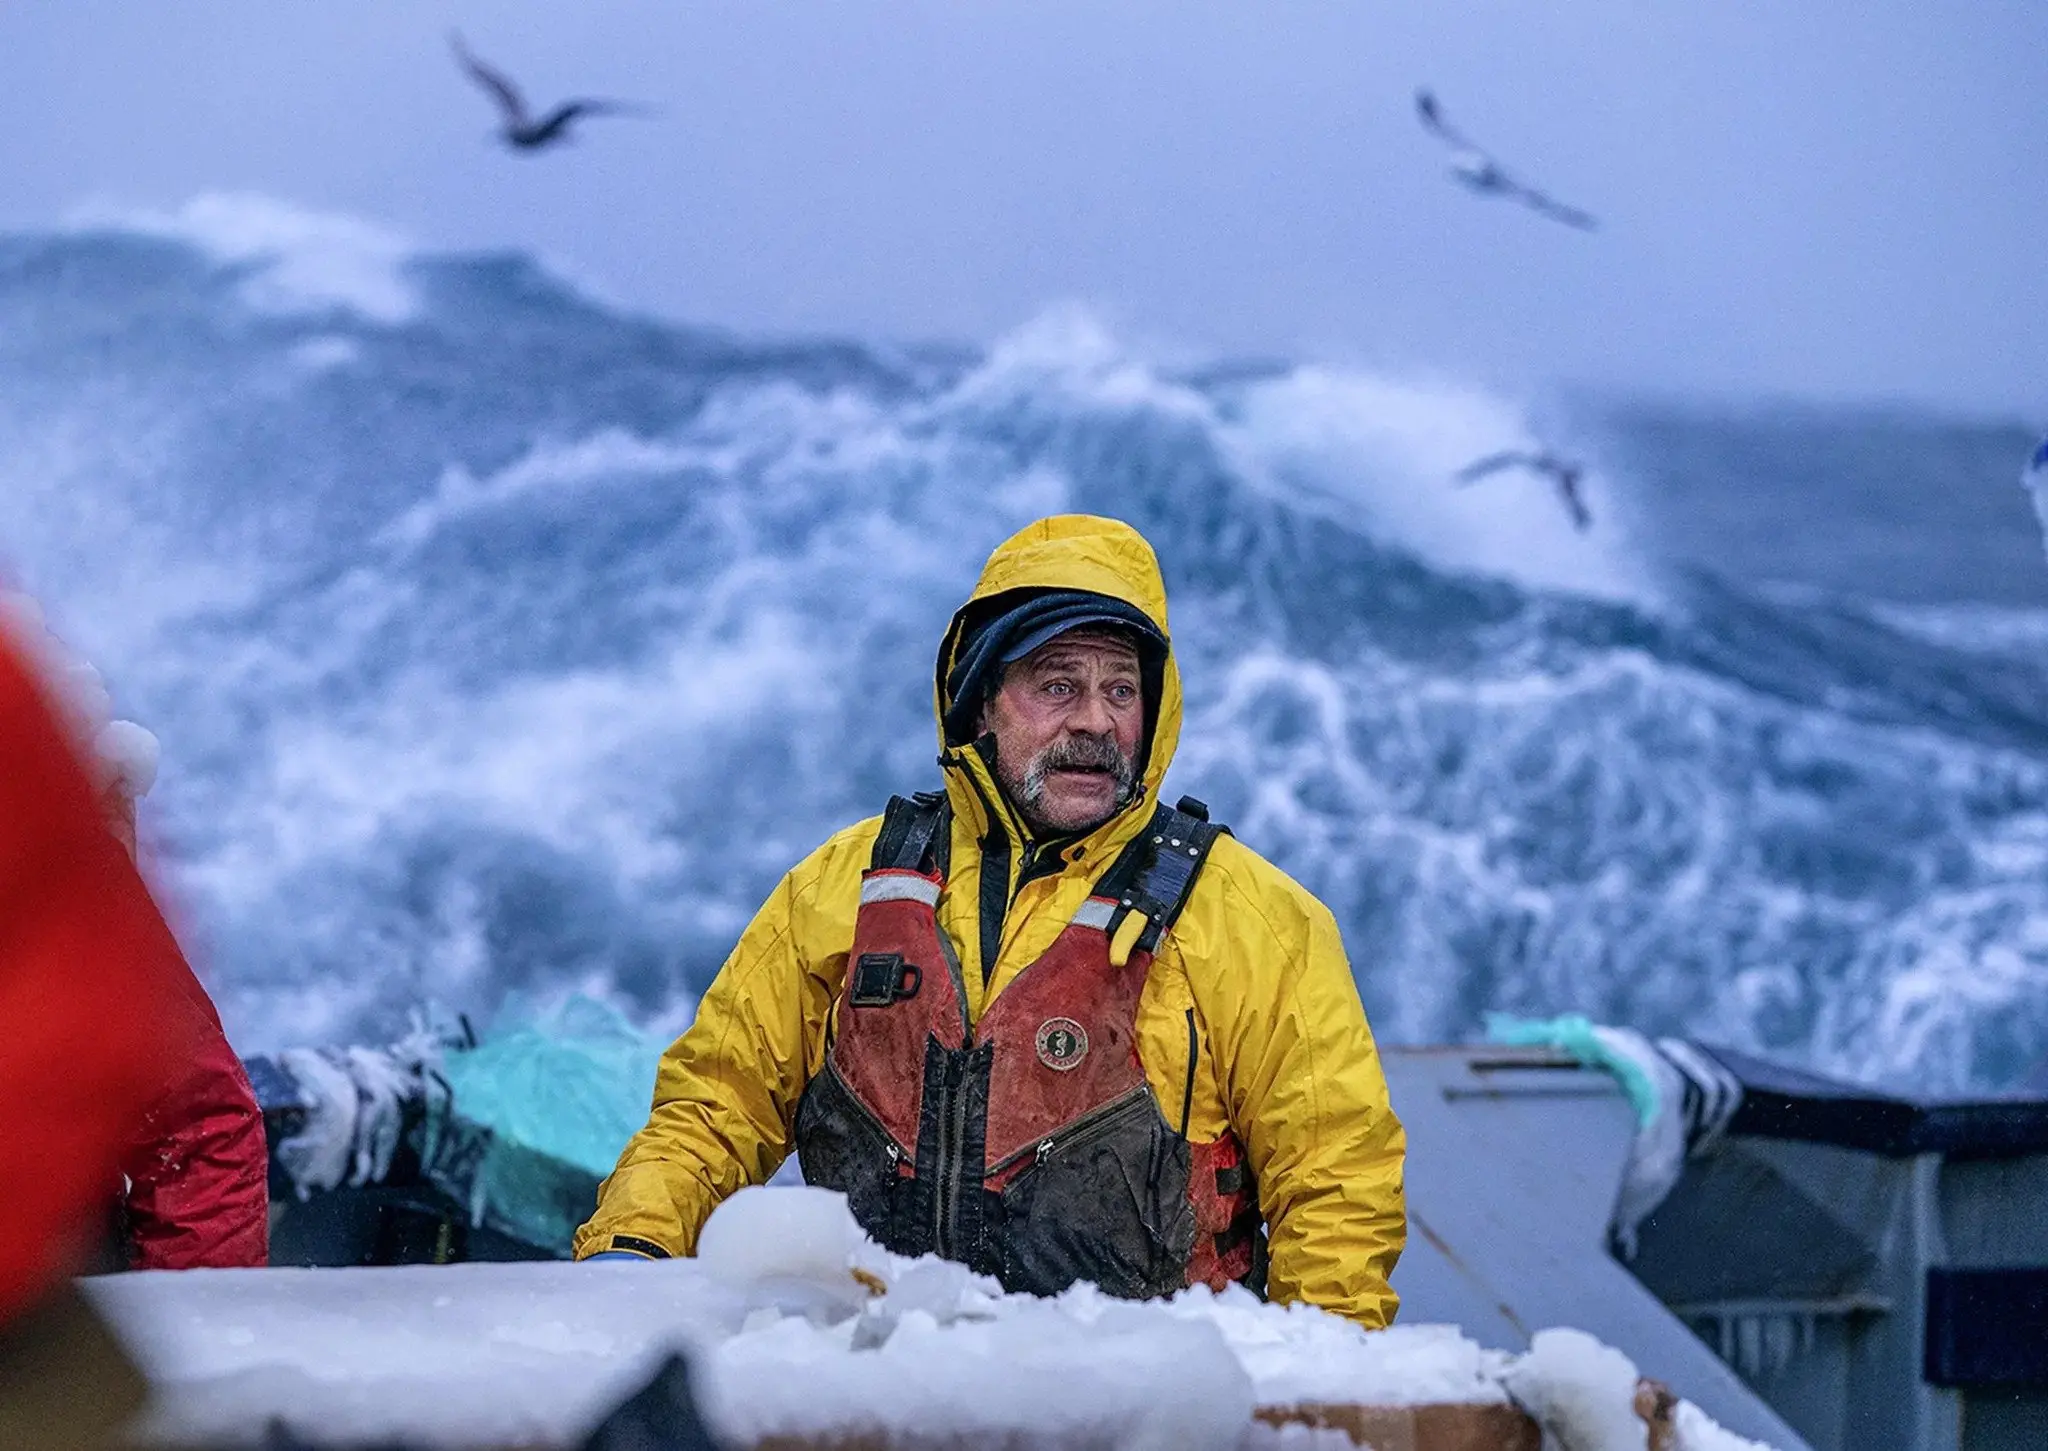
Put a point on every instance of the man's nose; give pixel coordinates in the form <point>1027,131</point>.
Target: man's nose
<point>1091,716</point>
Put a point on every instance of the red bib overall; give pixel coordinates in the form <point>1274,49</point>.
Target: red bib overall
<point>1032,1147</point>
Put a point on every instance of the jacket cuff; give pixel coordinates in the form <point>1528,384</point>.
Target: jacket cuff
<point>632,1244</point>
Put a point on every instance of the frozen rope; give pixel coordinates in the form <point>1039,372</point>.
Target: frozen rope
<point>1683,1100</point>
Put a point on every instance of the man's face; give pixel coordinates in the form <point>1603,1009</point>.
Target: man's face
<point>1067,721</point>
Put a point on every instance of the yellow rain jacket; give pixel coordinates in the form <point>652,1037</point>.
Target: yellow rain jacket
<point>1285,1059</point>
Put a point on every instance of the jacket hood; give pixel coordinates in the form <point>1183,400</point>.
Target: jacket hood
<point>1074,552</point>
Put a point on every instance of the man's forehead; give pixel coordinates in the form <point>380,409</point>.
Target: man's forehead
<point>1111,647</point>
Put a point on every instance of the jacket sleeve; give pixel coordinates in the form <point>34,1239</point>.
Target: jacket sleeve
<point>85,964</point>
<point>197,1163</point>
<point>726,1094</point>
<point>1309,1099</point>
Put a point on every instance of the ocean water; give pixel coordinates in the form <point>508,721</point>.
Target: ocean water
<point>504,644</point>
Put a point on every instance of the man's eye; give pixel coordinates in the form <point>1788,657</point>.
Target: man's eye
<point>1058,687</point>
<point>1123,694</point>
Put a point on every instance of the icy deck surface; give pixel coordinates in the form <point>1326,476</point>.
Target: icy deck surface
<point>518,1353</point>
<point>786,1339</point>
<point>457,1355</point>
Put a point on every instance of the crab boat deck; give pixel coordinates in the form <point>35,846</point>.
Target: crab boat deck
<point>1847,1269</point>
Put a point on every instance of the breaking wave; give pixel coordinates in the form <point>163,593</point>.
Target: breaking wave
<point>505,644</point>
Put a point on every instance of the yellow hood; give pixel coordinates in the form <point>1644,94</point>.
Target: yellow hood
<point>1071,552</point>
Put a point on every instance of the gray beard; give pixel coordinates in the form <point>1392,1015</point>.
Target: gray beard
<point>1030,792</point>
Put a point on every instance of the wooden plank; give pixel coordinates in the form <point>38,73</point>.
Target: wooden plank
<point>1417,1428</point>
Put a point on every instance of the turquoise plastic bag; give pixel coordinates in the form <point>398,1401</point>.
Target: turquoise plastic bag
<point>539,1112</point>
<point>1578,1035</point>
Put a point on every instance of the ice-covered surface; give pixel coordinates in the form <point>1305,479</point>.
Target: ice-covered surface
<point>517,1128</point>
<point>1125,1376</point>
<point>1582,1392</point>
<point>446,1355</point>
<point>1698,1432</point>
<point>353,1102</point>
<point>130,755</point>
<point>1298,1355</point>
<point>797,1325</point>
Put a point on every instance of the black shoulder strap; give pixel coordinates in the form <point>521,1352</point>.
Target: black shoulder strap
<point>1156,873</point>
<point>911,838</point>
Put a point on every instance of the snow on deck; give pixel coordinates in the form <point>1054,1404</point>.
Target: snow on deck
<point>788,1337</point>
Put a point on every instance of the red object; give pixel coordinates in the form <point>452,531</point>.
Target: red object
<point>110,1048</point>
<point>197,1163</point>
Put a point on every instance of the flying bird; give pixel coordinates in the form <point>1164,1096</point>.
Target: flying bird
<point>1563,474</point>
<point>1480,173</point>
<point>521,130</point>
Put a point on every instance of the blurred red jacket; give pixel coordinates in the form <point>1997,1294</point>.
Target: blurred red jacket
<point>112,1061</point>
<point>196,1161</point>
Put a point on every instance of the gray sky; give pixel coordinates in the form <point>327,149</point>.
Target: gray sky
<point>1830,198</point>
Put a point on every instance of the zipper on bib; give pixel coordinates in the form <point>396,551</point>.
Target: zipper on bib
<point>1088,1126</point>
<point>952,1155</point>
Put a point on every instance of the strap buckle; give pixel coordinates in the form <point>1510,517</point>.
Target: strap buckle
<point>881,979</point>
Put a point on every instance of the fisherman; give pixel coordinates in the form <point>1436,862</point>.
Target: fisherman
<point>1040,1022</point>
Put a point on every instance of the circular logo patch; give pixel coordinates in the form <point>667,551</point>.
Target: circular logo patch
<point>1062,1044</point>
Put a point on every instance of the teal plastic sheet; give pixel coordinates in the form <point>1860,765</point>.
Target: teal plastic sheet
<point>1579,1036</point>
<point>538,1113</point>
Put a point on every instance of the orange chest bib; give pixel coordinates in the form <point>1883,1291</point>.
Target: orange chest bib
<point>1031,1147</point>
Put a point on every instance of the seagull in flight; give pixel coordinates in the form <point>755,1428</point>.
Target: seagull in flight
<point>521,130</point>
<point>1562,473</point>
<point>1480,173</point>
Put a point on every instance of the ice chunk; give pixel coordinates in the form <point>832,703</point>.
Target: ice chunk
<point>799,1233</point>
<point>318,1156</point>
<point>1583,1392</point>
<point>84,696</point>
<point>942,1289</point>
<point>1301,1355</point>
<point>383,1085</point>
<point>354,1101</point>
<point>126,755</point>
<point>1034,1375</point>
<point>129,755</point>
<point>1697,1431</point>
<point>795,1249</point>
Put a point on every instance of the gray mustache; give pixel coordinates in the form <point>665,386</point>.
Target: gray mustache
<point>1085,752</point>
<point>1096,752</point>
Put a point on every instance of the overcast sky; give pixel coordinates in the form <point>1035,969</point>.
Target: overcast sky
<point>1825,199</point>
